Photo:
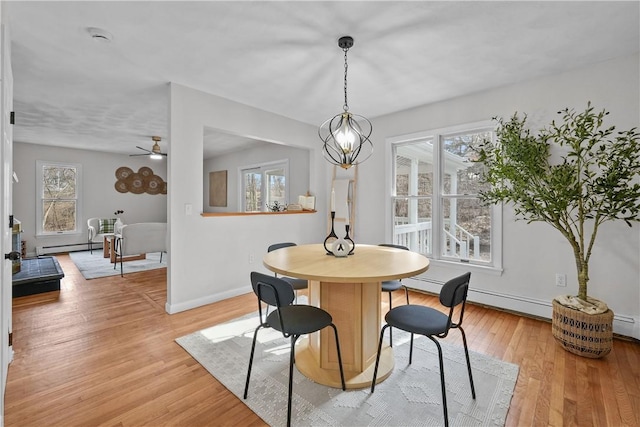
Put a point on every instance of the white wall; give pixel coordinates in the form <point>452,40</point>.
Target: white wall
<point>100,198</point>
<point>533,253</point>
<point>298,183</point>
<point>210,257</point>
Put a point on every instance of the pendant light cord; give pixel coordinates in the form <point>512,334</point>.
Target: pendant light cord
<point>346,66</point>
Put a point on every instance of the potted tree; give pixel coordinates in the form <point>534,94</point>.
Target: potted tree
<point>574,175</point>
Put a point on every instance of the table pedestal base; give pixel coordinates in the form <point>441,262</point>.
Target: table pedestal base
<point>355,310</point>
<point>309,367</point>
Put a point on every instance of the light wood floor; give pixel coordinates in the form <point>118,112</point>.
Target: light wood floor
<point>102,352</point>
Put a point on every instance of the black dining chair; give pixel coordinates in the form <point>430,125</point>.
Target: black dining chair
<point>297,284</point>
<point>291,319</point>
<point>432,323</point>
<point>390,286</point>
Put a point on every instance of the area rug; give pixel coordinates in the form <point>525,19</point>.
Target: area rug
<point>96,265</point>
<point>410,396</point>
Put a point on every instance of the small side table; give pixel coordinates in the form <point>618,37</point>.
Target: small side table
<point>107,248</point>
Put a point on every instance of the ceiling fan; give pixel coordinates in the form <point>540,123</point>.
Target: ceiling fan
<point>155,152</point>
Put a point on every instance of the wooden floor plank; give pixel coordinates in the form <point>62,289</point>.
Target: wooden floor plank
<point>102,352</point>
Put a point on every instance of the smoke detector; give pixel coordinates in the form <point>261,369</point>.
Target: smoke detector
<point>100,35</point>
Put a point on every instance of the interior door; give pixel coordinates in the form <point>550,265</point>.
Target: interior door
<point>6,160</point>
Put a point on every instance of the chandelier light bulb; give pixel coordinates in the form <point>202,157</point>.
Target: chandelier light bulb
<point>345,136</point>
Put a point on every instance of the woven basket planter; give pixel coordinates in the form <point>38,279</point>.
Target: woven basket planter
<point>588,335</point>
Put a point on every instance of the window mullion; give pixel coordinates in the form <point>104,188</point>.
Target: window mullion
<point>437,219</point>
<point>264,189</point>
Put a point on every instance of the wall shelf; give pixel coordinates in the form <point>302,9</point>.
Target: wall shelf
<point>219,214</point>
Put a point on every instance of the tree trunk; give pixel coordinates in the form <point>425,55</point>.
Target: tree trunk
<point>583,276</point>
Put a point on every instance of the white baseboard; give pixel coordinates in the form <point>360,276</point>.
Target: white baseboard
<point>209,299</point>
<point>626,325</point>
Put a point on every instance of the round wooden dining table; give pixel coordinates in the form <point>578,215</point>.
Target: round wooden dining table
<point>349,288</point>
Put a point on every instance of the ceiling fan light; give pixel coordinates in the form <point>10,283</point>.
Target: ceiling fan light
<point>155,152</point>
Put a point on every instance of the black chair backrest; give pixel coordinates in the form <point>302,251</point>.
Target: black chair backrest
<point>272,290</point>
<point>280,246</point>
<point>275,292</point>
<point>391,245</point>
<point>454,293</point>
<point>455,290</point>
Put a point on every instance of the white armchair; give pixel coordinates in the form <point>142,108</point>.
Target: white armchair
<point>97,228</point>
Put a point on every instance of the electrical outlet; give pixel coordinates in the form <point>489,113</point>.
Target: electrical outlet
<point>561,279</point>
<point>251,259</point>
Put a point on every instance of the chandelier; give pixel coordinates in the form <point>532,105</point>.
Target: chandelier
<point>346,135</point>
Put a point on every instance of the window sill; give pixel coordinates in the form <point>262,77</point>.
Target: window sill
<point>218,214</point>
<point>474,268</point>
<point>68,233</point>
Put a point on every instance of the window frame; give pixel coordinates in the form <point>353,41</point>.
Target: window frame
<point>436,136</point>
<point>40,165</point>
<point>263,168</point>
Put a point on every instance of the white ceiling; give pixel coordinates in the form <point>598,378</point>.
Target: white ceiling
<point>71,90</point>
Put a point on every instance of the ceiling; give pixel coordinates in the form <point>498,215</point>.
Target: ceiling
<point>75,91</point>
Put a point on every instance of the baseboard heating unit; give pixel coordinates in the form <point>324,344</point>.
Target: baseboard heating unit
<point>72,247</point>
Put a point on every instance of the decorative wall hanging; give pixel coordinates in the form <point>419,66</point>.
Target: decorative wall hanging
<point>143,181</point>
<point>218,188</point>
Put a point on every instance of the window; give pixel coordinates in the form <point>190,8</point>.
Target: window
<point>263,185</point>
<point>435,206</point>
<point>57,204</point>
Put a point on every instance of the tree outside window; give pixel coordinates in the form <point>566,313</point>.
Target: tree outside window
<point>58,204</point>
<point>264,184</point>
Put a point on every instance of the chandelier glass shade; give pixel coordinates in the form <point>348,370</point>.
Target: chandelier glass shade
<point>345,136</point>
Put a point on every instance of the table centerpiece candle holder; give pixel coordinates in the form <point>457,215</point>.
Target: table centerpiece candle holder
<point>332,235</point>
<point>348,239</point>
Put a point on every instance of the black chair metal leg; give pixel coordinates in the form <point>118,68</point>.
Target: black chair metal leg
<point>375,370</point>
<point>466,353</point>
<point>116,248</point>
<point>406,293</point>
<point>160,257</point>
<point>291,363</point>
<point>390,329</point>
<point>253,348</point>
<point>411,350</point>
<point>335,331</point>
<point>442,383</point>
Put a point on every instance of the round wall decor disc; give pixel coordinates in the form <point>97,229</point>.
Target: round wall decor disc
<point>145,172</point>
<point>121,186</point>
<point>136,184</point>
<point>123,172</point>
<point>154,184</point>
